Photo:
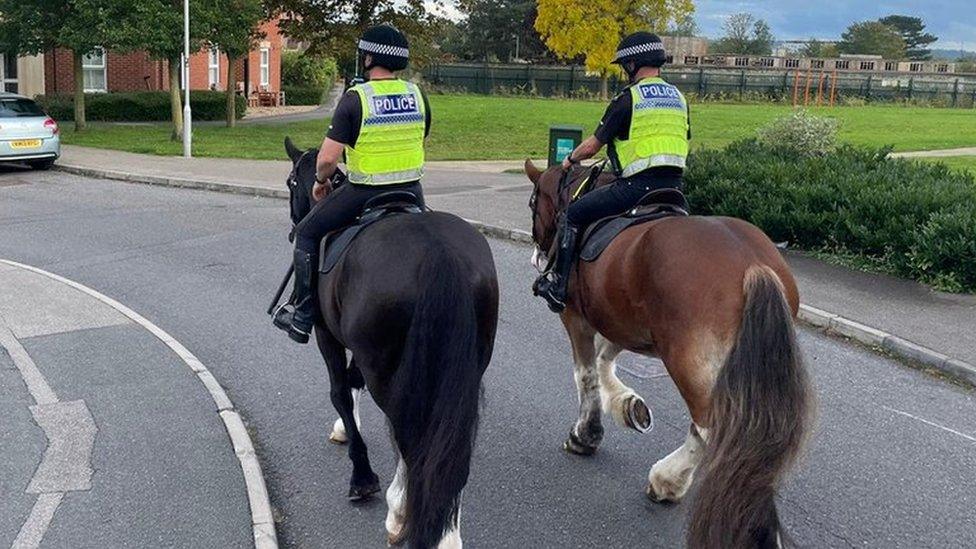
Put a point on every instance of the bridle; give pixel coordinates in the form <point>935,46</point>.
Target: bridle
<point>563,198</point>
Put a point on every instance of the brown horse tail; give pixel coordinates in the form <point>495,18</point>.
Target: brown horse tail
<point>758,419</point>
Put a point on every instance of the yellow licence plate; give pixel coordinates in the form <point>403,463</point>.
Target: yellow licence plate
<point>25,144</point>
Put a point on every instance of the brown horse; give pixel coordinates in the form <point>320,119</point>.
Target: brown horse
<point>714,299</point>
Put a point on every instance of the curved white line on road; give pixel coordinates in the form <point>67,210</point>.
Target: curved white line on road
<point>262,520</point>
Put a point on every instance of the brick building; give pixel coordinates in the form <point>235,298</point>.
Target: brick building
<point>109,71</point>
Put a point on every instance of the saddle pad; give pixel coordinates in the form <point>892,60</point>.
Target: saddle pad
<point>601,234</point>
<point>335,244</point>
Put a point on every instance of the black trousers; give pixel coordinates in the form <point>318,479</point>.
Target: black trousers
<point>339,209</point>
<point>615,198</point>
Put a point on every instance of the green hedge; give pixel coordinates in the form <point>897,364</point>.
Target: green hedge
<point>301,95</point>
<point>138,106</point>
<point>916,220</point>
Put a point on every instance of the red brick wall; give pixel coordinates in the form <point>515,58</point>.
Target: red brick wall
<point>137,72</point>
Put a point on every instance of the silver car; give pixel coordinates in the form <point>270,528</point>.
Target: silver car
<point>27,134</point>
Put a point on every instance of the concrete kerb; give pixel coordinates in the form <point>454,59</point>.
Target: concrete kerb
<point>262,519</point>
<point>830,322</point>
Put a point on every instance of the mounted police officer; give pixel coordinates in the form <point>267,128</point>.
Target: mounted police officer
<point>647,127</point>
<point>380,127</point>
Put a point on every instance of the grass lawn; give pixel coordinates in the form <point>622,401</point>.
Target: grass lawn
<point>468,127</point>
<point>964,163</point>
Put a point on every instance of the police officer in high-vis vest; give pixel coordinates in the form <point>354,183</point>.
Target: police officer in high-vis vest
<point>647,128</point>
<point>379,126</point>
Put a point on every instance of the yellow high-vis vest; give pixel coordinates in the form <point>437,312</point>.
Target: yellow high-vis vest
<point>658,128</point>
<point>390,147</point>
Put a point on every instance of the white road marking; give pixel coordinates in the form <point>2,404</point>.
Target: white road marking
<point>262,522</point>
<point>933,424</point>
<point>37,386</point>
<point>32,532</point>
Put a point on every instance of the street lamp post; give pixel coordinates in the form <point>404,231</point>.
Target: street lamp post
<point>187,113</point>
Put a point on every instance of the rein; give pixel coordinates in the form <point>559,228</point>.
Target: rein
<point>563,198</point>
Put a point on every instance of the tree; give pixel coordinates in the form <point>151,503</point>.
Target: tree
<point>332,27</point>
<point>912,31</point>
<point>872,38</point>
<point>156,26</point>
<point>685,27</point>
<point>500,29</point>
<point>816,48</point>
<point>234,30</point>
<point>35,26</point>
<point>593,28</point>
<point>745,34</point>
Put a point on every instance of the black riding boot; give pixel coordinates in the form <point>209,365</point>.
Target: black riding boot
<point>552,286</point>
<point>304,316</point>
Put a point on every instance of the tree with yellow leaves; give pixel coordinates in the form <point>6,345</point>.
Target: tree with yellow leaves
<point>593,28</point>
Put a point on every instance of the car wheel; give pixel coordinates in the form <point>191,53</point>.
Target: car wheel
<point>42,164</point>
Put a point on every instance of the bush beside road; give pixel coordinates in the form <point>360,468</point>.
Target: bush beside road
<point>138,106</point>
<point>468,127</point>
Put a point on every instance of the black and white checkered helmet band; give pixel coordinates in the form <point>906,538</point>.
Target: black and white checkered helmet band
<point>639,48</point>
<point>383,49</point>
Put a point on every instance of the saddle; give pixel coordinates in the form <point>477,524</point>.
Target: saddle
<point>655,205</point>
<point>381,206</point>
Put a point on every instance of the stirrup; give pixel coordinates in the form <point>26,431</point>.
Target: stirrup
<point>297,335</point>
<point>283,316</point>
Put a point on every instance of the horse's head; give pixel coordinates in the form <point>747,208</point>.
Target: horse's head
<point>300,180</point>
<point>550,196</point>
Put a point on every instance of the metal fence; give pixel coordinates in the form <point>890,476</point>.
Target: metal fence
<point>807,87</point>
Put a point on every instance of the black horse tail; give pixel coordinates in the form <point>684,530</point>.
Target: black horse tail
<point>760,408</point>
<point>438,414</point>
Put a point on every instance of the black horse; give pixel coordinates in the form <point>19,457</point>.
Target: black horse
<point>415,300</point>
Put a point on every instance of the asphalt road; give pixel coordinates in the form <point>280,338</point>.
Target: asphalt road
<point>891,463</point>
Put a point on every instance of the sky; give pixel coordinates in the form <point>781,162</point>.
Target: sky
<point>953,21</point>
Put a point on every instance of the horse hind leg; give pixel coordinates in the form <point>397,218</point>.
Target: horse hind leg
<point>587,432</point>
<point>671,477</point>
<point>626,407</point>
<point>396,502</point>
<point>356,384</point>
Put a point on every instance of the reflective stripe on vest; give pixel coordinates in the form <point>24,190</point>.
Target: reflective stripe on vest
<point>658,128</point>
<point>390,147</point>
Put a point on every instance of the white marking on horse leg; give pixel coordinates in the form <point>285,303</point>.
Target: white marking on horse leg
<point>538,259</point>
<point>588,428</point>
<point>452,538</point>
<point>338,428</point>
<point>396,502</point>
<point>619,400</point>
<point>671,477</point>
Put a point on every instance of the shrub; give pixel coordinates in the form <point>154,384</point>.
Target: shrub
<point>299,95</point>
<point>300,69</point>
<point>916,219</point>
<point>138,106</point>
<point>800,132</point>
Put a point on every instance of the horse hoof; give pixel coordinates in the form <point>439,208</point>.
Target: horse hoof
<point>652,495</point>
<point>361,493</point>
<point>338,439</point>
<point>574,445</point>
<point>639,417</point>
<point>395,539</point>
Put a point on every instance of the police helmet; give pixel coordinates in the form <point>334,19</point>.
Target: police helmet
<point>642,49</point>
<point>387,46</point>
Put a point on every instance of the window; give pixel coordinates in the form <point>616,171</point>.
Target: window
<point>842,64</point>
<point>915,67</point>
<point>93,70</point>
<point>942,67</point>
<point>265,66</point>
<point>891,65</point>
<point>8,73</point>
<point>767,62</point>
<point>792,63</point>
<point>213,68</point>
<point>16,107</point>
<point>867,65</point>
<point>816,63</point>
<point>691,60</point>
<point>669,60</point>
<point>741,61</point>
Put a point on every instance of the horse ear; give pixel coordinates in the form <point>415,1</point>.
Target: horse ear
<point>533,172</point>
<point>293,152</point>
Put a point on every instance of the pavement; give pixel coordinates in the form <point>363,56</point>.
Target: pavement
<point>965,151</point>
<point>940,323</point>
<point>890,464</point>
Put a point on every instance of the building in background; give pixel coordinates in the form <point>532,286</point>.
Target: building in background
<point>109,71</point>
